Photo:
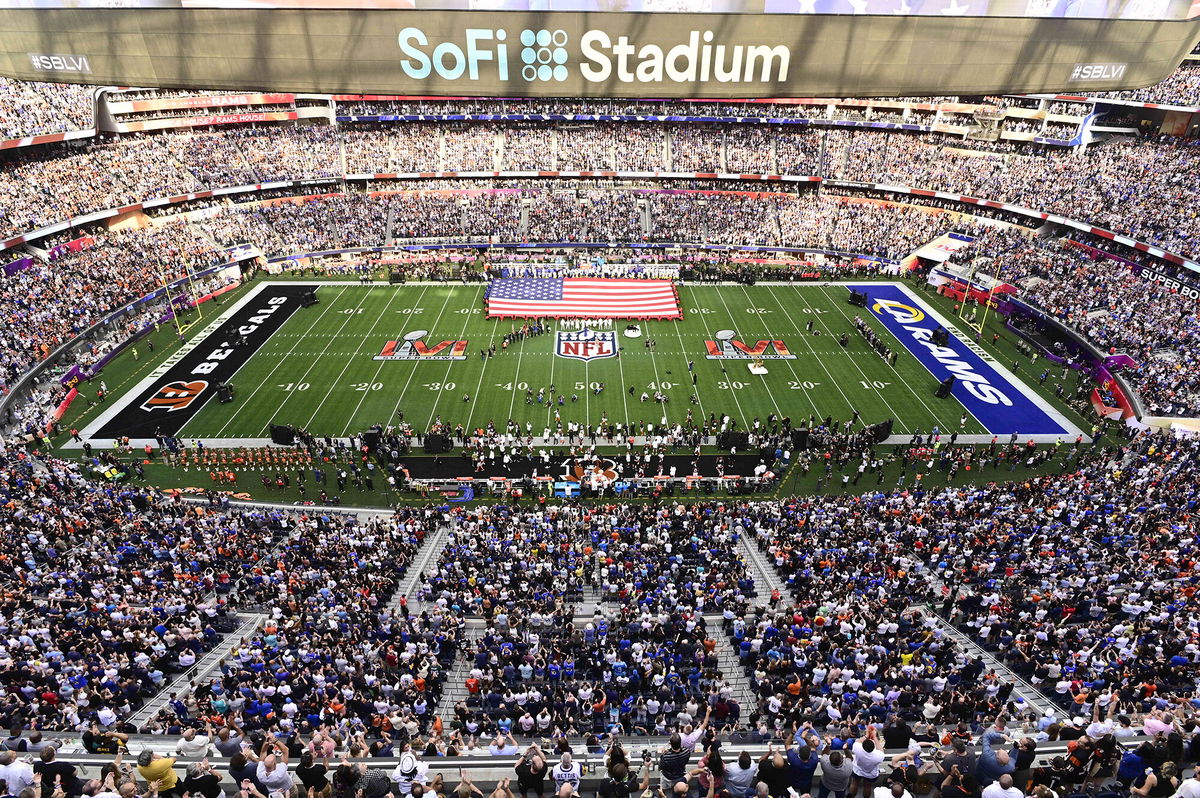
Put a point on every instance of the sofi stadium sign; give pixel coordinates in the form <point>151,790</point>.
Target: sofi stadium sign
<point>606,48</point>
<point>550,56</point>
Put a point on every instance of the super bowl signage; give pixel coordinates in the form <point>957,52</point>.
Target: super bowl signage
<point>595,56</point>
<point>585,344</point>
<point>727,347</point>
<point>413,347</point>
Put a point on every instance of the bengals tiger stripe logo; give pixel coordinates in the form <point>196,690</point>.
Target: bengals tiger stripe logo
<point>175,396</point>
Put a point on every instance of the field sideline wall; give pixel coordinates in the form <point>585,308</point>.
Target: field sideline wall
<point>360,51</point>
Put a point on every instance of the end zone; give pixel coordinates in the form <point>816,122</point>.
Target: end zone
<point>177,389</point>
<point>997,398</point>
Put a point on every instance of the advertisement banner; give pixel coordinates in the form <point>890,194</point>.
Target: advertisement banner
<point>184,103</point>
<point>76,245</point>
<point>74,375</point>
<point>18,265</point>
<point>1181,287</point>
<point>205,121</point>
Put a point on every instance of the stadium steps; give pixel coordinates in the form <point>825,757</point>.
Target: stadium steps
<point>589,602</point>
<point>430,549</point>
<point>766,578</point>
<point>209,663</point>
<point>1033,698</point>
<point>731,669</point>
<point>454,687</point>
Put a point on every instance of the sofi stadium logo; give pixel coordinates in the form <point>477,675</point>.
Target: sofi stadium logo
<point>549,56</point>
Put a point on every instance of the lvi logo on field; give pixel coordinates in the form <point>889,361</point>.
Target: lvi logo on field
<point>727,347</point>
<point>413,348</point>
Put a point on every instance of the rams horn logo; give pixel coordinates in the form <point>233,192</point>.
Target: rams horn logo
<point>905,314</point>
<point>175,396</point>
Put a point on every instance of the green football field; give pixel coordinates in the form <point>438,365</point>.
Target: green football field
<point>318,370</point>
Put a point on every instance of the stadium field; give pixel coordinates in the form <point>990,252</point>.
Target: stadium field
<point>343,365</point>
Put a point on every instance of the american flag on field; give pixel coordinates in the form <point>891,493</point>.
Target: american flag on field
<point>583,297</point>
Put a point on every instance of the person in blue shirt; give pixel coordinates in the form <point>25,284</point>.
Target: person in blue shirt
<point>802,763</point>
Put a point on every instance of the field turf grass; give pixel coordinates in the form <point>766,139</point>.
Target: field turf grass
<point>318,371</point>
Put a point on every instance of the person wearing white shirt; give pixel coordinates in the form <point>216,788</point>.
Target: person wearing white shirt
<point>192,744</point>
<point>1002,788</point>
<point>691,736</point>
<point>1190,788</point>
<point>867,758</point>
<point>567,772</point>
<point>13,772</point>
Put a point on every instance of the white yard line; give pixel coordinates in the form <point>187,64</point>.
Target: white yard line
<point>692,389</point>
<point>799,382</point>
<point>743,422</point>
<point>450,364</point>
<point>516,375</point>
<point>324,350</point>
<point>812,351</point>
<point>762,377</point>
<point>620,368</point>
<point>378,370</point>
<point>478,386</point>
<point>413,373</point>
<point>351,359</point>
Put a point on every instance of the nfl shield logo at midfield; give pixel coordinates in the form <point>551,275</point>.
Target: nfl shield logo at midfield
<point>585,344</point>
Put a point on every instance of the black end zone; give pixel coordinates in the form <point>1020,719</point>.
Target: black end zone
<point>179,393</point>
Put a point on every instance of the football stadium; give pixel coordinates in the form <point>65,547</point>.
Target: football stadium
<point>600,398</point>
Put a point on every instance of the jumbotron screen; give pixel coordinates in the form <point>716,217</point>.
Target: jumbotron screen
<point>659,49</point>
<point>1077,9</point>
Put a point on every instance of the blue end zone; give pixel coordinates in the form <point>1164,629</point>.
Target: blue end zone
<point>989,391</point>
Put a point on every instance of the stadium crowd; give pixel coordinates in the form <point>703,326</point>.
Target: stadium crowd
<point>1080,581</point>
<point>1120,312</point>
<point>36,109</point>
<point>116,588</point>
<point>1083,184</point>
<point>1181,87</point>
